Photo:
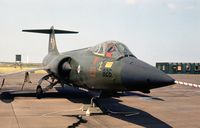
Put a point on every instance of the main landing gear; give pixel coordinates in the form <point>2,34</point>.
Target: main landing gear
<point>52,82</point>
<point>39,92</point>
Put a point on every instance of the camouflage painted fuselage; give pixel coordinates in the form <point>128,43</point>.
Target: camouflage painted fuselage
<point>96,72</point>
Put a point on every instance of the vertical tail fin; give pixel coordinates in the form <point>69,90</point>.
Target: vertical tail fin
<point>52,41</point>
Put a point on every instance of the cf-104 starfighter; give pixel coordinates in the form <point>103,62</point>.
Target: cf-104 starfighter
<point>106,67</point>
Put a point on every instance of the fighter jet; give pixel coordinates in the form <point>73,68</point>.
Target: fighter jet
<point>107,67</point>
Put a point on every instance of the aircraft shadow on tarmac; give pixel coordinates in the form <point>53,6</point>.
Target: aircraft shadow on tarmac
<point>135,94</point>
<point>112,106</point>
<point>130,114</point>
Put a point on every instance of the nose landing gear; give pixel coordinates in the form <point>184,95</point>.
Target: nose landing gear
<point>39,91</point>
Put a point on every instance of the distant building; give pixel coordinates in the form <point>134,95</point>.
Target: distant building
<point>179,68</point>
<point>18,60</point>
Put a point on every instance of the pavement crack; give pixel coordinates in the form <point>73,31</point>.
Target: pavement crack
<point>15,116</point>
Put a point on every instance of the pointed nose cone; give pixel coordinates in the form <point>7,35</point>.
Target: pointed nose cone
<point>138,75</point>
<point>159,79</point>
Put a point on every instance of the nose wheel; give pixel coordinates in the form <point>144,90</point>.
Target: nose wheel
<point>39,92</point>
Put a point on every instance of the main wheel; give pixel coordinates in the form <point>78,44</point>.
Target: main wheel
<point>39,92</point>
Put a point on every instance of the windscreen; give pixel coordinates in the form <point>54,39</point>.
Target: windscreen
<point>112,49</point>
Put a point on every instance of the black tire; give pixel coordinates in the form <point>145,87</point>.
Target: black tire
<point>39,92</point>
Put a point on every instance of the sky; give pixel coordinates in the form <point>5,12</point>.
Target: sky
<point>154,30</point>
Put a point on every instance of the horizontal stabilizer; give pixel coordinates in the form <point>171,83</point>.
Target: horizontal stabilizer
<point>52,40</point>
<point>49,31</point>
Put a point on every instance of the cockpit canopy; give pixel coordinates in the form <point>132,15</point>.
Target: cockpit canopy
<point>112,49</point>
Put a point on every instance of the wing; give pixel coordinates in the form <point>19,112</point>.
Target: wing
<point>25,71</point>
<point>26,78</point>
